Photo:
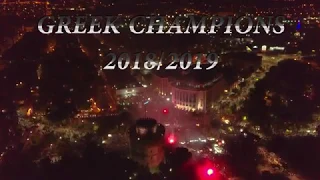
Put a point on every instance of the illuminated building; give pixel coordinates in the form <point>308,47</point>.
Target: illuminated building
<point>129,91</point>
<point>198,97</point>
<point>193,90</point>
<point>147,143</point>
<point>264,48</point>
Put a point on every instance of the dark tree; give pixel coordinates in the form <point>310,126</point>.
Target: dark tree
<point>285,98</point>
<point>242,158</point>
<point>301,154</point>
<point>268,176</point>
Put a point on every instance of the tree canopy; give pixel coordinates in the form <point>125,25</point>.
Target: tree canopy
<point>286,98</point>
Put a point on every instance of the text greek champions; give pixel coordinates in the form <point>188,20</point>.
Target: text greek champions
<point>162,25</point>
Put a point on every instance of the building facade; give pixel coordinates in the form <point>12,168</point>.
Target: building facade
<point>198,98</point>
<point>188,94</point>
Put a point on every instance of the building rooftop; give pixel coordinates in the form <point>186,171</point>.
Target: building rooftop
<point>147,129</point>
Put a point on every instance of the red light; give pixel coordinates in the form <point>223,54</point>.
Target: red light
<point>210,172</point>
<point>165,111</point>
<point>171,139</point>
<point>206,170</point>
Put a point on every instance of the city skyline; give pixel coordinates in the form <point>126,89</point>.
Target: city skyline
<point>160,106</point>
